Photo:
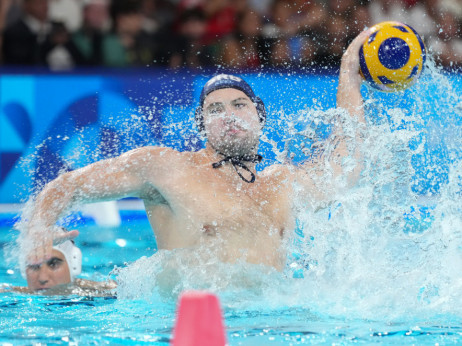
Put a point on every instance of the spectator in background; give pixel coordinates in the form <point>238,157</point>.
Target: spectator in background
<point>35,40</point>
<point>23,40</point>
<point>261,7</point>
<point>360,18</point>
<point>68,12</point>
<point>220,17</point>
<point>243,49</point>
<point>447,44</point>
<point>186,48</point>
<point>10,12</point>
<point>293,31</point>
<point>4,10</point>
<point>277,32</point>
<point>418,14</point>
<point>128,44</point>
<point>236,33</point>
<point>335,41</point>
<point>150,22</point>
<point>453,6</point>
<point>305,46</point>
<point>59,50</point>
<point>157,14</point>
<point>343,23</point>
<point>96,24</point>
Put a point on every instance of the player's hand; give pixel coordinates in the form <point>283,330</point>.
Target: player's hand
<point>39,242</point>
<point>350,60</point>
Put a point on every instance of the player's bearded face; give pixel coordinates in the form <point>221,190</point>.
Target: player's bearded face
<point>231,122</point>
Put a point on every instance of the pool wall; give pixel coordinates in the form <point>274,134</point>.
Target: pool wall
<point>55,122</point>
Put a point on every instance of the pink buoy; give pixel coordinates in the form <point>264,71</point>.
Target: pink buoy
<point>199,321</point>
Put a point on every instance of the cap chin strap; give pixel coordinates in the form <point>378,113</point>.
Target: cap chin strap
<point>238,161</point>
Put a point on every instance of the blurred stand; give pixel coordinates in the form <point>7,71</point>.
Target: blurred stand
<point>89,39</point>
<point>447,44</point>
<point>34,39</point>
<point>250,34</point>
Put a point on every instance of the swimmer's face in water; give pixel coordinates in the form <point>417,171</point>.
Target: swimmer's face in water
<point>51,273</point>
<point>231,122</point>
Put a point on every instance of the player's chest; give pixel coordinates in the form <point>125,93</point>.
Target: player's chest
<point>219,199</point>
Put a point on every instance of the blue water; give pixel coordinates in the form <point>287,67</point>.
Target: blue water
<point>262,316</point>
<point>382,264</point>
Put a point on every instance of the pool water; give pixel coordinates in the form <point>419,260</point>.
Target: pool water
<point>256,316</point>
<point>382,264</point>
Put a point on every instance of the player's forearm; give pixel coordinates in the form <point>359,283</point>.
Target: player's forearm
<point>349,95</point>
<point>347,139</point>
<point>349,88</point>
<point>103,180</point>
<point>349,99</point>
<point>95,285</point>
<point>6,288</point>
<point>56,197</point>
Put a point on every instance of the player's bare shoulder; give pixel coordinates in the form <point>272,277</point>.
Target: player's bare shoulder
<point>163,164</point>
<point>150,152</point>
<point>149,156</point>
<point>150,162</point>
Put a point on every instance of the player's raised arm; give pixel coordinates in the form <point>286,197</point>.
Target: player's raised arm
<point>104,180</point>
<point>338,147</point>
<point>346,137</point>
<point>349,86</point>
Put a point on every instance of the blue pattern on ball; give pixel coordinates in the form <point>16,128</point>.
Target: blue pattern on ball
<point>384,80</point>
<point>372,37</point>
<point>401,28</point>
<point>422,47</point>
<point>394,53</point>
<point>414,71</point>
<point>364,68</point>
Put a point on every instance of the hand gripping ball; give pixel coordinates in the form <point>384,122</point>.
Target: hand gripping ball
<point>393,56</point>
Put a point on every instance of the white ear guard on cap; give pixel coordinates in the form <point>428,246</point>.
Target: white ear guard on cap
<point>73,257</point>
<point>71,253</point>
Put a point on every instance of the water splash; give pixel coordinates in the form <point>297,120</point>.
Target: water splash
<point>389,248</point>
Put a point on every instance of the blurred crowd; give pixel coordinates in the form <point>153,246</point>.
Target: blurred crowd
<point>241,34</point>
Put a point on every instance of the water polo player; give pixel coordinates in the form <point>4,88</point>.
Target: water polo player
<point>213,198</point>
<point>58,274</point>
<point>62,268</point>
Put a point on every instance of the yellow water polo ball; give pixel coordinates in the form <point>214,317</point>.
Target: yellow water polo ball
<point>393,56</point>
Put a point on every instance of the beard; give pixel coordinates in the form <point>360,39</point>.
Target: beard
<point>235,137</point>
<point>230,145</point>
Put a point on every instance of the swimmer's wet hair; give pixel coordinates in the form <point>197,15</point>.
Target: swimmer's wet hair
<point>223,81</point>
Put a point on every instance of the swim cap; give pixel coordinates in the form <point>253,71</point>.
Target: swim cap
<point>73,257</point>
<point>223,81</point>
<point>71,253</point>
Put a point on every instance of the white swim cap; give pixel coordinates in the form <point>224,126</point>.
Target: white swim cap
<point>73,257</point>
<point>71,253</point>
